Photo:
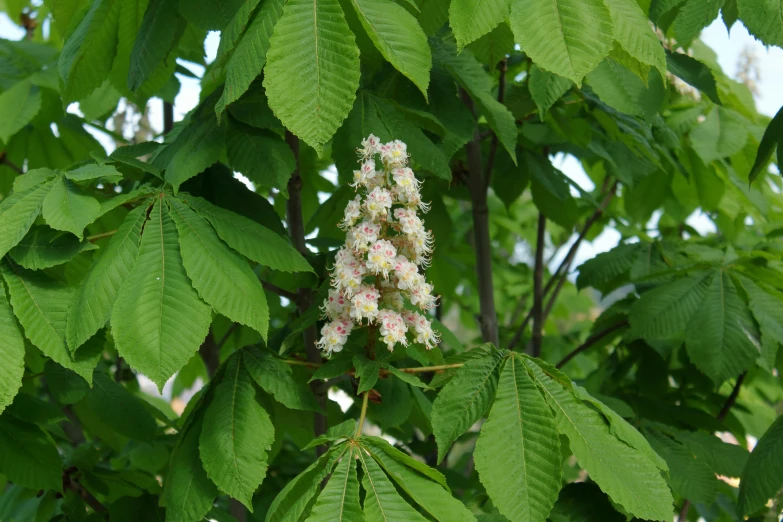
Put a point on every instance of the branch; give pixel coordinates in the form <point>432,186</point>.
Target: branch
<point>10,164</point>
<point>590,342</point>
<point>538,291</point>
<point>295,222</point>
<point>488,320</point>
<point>222,341</point>
<point>168,117</point>
<point>74,485</point>
<point>282,292</point>
<point>493,146</point>
<point>720,416</point>
<point>96,237</point>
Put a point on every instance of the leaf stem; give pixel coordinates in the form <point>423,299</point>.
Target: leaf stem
<point>419,369</point>
<point>363,414</point>
<point>590,342</point>
<point>96,237</point>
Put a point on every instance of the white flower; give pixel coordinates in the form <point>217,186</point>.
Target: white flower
<point>362,236</point>
<point>421,296</point>
<point>381,257</point>
<point>422,328</point>
<point>407,273</point>
<point>366,175</point>
<point>392,328</point>
<point>334,335</point>
<point>371,145</point>
<point>378,203</point>
<point>364,303</point>
<point>348,272</point>
<point>336,305</point>
<point>353,211</point>
<point>394,153</point>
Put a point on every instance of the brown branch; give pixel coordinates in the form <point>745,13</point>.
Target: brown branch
<point>488,320</point>
<point>538,291</point>
<point>282,292</point>
<point>69,482</point>
<point>493,146</point>
<point>222,341</point>
<point>168,117</point>
<point>209,353</point>
<point>686,505</point>
<point>295,222</point>
<point>590,342</point>
<point>10,164</point>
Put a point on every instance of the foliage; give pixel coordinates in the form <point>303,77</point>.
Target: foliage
<point>133,259</point>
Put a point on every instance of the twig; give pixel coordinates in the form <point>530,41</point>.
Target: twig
<point>10,164</point>
<point>168,117</point>
<point>590,342</point>
<point>721,416</point>
<point>282,292</point>
<point>419,369</point>
<point>295,222</point>
<point>222,341</point>
<point>69,482</point>
<point>362,415</point>
<point>96,237</point>
<point>493,145</point>
<point>538,291</point>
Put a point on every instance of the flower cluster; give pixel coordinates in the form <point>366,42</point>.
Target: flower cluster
<point>379,265</point>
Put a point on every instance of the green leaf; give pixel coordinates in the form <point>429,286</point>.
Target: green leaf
<point>762,19</point>
<point>382,503</point>
<point>92,303</point>
<point>632,30</point>
<point>518,451</point>
<point>33,178</point>
<point>764,303</point>
<point>155,39</point>
<point>569,37</point>
<point>276,378</point>
<point>621,89</point>
<point>120,410</point>
<point>367,372</point>
<point>41,305</point>
<point>694,73</point>
<point>399,38</point>
<point>693,16</point>
<point>187,491</point>
<point>94,171</point>
<point>763,474</point>
<point>608,269</point>
<point>294,498</point>
<point>723,458</point>
<point>158,321</point>
<point>69,209</point>
<point>19,104</point>
<point>344,430</point>
<point>431,495</point>
<point>28,457</point>
<point>771,139</point>
<point>11,353</point>
<point>249,55</point>
<point>722,338</point>
<point>213,15</point>
<point>65,385</point>
<point>406,377</point>
<point>464,400</point>
<point>222,278</point>
<point>546,88</point>
<point>584,502</point>
<point>261,155</point>
<point>720,135</point>
<point>339,500</point>
<point>495,45</point>
<point>471,19</point>
<point>313,98</point>
<point>664,312</point>
<point>628,476</point>
<point>44,247</point>
<point>17,214</point>
<point>250,239</point>
<point>88,53</point>
<point>237,435</point>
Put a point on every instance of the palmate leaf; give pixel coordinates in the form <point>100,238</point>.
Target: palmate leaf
<point>569,37</point>
<point>249,55</point>
<point>68,208</point>
<point>518,452</point>
<point>93,301</point>
<point>154,41</point>
<point>339,500</point>
<point>464,400</point>
<point>722,338</point>
<point>261,155</point>
<point>382,503</point>
<point>763,474</point>
<point>44,247</point>
<point>763,20</point>
<point>772,138</point>
<point>187,491</point>
<point>399,38</point>
<point>628,476</point>
<point>17,214</point>
<point>11,352</point>
<point>276,378</point>
<point>312,98</point>
<point>546,88</point>
<point>471,19</point>
<point>416,480</point>
<point>621,89</point>
<point>632,30</point>
<point>693,16</point>
<point>720,135</point>
<point>158,320</point>
<point>41,305</point>
<point>120,410</point>
<point>694,73</point>
<point>28,457</point>
<point>237,435</point>
<point>221,277</point>
<point>250,239</point>
<point>212,15</point>
<point>764,303</point>
<point>20,104</point>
